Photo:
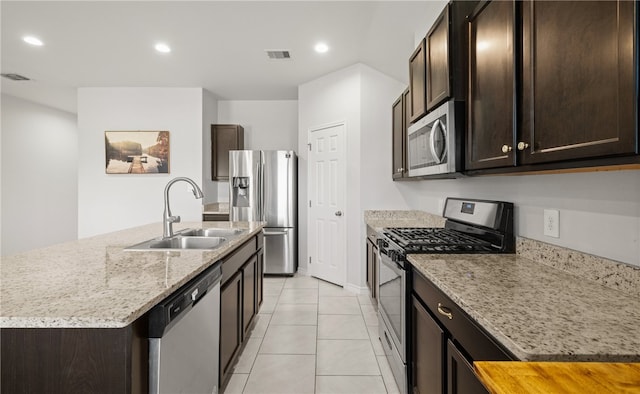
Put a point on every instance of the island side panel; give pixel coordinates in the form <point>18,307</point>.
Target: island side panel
<point>74,360</point>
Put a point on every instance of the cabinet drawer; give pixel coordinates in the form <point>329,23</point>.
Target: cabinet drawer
<point>478,344</point>
<point>231,264</point>
<point>260,239</point>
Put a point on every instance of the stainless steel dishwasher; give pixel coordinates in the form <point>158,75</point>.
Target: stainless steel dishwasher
<point>184,338</point>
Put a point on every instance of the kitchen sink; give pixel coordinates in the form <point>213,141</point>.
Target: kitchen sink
<point>212,232</point>
<point>180,242</point>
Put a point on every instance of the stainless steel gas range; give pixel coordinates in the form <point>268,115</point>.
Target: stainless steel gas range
<point>472,226</point>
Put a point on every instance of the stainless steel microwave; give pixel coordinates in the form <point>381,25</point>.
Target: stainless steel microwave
<point>433,142</point>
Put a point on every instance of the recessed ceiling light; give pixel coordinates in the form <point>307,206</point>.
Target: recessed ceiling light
<point>321,47</point>
<point>162,47</point>
<point>33,41</point>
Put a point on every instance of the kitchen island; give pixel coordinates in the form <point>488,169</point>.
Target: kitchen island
<point>73,315</point>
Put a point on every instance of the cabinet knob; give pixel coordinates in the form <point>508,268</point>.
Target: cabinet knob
<point>506,149</point>
<point>522,145</point>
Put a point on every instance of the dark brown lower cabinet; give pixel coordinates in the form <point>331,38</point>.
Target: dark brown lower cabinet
<point>240,299</point>
<point>230,321</point>
<point>75,360</point>
<point>372,268</point>
<point>428,351</point>
<point>461,379</point>
<point>445,342</point>
<point>259,291</point>
<point>249,291</point>
<point>215,217</point>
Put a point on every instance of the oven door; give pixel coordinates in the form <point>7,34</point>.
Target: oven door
<point>391,299</point>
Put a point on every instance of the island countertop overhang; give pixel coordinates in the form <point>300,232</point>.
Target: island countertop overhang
<point>96,283</point>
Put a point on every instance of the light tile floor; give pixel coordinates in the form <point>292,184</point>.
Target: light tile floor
<point>312,337</point>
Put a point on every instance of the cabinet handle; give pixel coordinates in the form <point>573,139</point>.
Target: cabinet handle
<point>506,149</point>
<point>522,145</point>
<point>443,310</point>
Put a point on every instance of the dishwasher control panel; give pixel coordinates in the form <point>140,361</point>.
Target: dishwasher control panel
<point>167,313</point>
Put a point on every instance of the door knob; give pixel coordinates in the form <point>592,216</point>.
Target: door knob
<point>522,145</point>
<point>506,149</point>
<point>338,213</point>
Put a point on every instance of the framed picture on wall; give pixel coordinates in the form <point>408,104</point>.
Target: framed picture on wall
<point>137,152</point>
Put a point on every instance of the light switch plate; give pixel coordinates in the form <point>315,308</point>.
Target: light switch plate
<point>552,223</point>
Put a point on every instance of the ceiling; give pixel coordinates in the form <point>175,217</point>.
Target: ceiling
<point>217,45</point>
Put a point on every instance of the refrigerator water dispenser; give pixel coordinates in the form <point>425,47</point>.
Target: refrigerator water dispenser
<point>241,191</point>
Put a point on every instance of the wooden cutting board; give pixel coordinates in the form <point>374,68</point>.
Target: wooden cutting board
<point>502,377</point>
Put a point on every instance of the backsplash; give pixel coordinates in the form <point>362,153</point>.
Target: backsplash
<point>613,274</point>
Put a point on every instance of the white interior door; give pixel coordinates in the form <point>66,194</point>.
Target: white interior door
<point>327,198</point>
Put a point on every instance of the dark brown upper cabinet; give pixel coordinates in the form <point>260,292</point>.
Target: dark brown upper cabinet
<point>552,85</point>
<point>417,92</point>
<point>446,54</point>
<point>438,77</point>
<point>399,136</point>
<point>491,117</point>
<point>224,137</point>
<point>578,97</point>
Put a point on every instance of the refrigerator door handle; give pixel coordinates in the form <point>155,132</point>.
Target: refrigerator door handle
<point>267,233</point>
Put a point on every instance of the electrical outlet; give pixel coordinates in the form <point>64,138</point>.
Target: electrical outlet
<point>552,223</point>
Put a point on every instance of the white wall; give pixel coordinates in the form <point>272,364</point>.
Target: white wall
<point>113,202</point>
<point>361,98</point>
<point>268,125</point>
<point>39,175</point>
<point>599,211</point>
<point>209,117</point>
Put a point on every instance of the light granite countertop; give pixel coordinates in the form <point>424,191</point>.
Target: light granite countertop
<point>95,283</point>
<point>216,208</point>
<point>538,312</point>
<point>378,220</point>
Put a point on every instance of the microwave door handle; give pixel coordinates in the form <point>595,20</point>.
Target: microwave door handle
<point>432,141</point>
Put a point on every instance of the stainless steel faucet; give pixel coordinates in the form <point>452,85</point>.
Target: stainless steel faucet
<point>167,218</point>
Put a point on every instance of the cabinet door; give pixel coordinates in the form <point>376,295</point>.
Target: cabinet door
<point>438,83</point>
<point>230,322</point>
<point>248,293</point>
<point>260,280</point>
<point>398,140</point>
<point>578,82</point>
<point>461,379</point>
<point>417,71</point>
<point>223,139</point>
<point>492,87</point>
<point>428,350</point>
<point>372,256</point>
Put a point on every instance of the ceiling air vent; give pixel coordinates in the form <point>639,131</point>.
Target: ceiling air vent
<point>278,55</point>
<point>15,77</point>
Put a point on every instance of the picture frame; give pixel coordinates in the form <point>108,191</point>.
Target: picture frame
<point>137,152</point>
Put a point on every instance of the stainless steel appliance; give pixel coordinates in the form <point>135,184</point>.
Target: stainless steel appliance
<point>263,187</point>
<point>184,338</point>
<point>434,145</point>
<point>472,226</point>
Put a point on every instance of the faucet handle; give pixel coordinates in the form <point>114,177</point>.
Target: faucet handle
<point>174,219</point>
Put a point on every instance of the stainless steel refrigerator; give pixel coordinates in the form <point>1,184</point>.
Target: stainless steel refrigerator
<point>263,187</point>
